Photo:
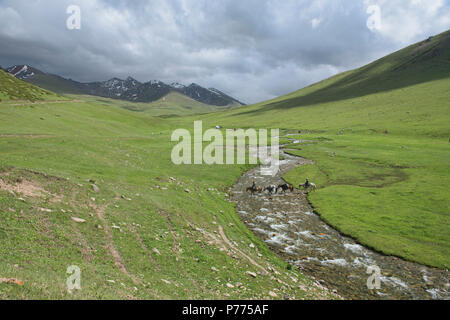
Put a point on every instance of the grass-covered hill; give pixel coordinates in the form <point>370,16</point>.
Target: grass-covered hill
<point>421,62</point>
<point>15,89</point>
<point>148,229</point>
<point>55,83</point>
<point>173,104</point>
<point>380,142</point>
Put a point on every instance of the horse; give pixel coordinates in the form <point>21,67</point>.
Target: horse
<point>254,189</point>
<point>251,189</point>
<point>285,187</point>
<point>271,189</point>
<point>311,186</point>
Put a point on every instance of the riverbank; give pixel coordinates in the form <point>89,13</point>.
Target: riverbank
<point>288,225</point>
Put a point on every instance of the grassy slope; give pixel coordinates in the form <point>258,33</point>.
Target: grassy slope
<point>386,189</point>
<point>14,89</point>
<point>381,147</point>
<point>126,153</point>
<point>172,105</point>
<point>54,83</point>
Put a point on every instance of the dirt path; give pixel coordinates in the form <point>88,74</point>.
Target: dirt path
<point>27,136</point>
<point>176,243</point>
<point>144,247</point>
<point>22,103</point>
<point>118,261</point>
<point>228,242</point>
<point>287,223</point>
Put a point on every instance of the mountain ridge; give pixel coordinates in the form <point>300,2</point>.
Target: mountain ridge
<point>129,89</point>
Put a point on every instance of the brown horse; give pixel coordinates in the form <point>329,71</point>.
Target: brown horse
<point>250,189</point>
<point>285,187</point>
<point>253,189</point>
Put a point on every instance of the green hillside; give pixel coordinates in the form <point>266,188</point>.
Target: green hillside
<point>15,89</point>
<point>381,149</point>
<point>153,230</point>
<point>173,104</point>
<point>179,104</point>
<point>422,62</point>
<point>54,83</point>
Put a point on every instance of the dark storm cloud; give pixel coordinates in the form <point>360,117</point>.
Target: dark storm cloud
<point>251,49</point>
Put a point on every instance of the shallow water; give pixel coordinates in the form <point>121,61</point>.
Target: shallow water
<point>287,223</point>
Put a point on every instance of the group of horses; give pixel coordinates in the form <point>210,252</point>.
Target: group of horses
<point>283,188</point>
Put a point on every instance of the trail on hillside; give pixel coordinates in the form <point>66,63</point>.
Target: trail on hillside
<point>17,103</point>
<point>288,225</point>
<point>228,242</point>
<point>118,261</point>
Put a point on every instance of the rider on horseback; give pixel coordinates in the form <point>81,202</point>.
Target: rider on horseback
<point>307,184</point>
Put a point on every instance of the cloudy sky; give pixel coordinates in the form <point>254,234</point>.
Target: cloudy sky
<point>251,49</point>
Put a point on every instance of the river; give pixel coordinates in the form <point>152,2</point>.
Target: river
<point>288,225</point>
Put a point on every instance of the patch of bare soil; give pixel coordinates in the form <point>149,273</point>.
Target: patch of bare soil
<point>29,189</point>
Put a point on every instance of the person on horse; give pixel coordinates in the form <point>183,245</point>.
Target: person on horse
<point>307,184</point>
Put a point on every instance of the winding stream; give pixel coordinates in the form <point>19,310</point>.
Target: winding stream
<point>287,223</point>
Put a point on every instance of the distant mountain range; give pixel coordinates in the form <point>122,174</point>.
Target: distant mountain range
<point>129,89</point>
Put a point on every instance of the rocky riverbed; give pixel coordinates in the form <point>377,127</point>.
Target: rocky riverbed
<point>289,226</point>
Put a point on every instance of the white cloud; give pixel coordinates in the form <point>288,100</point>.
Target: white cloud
<point>253,49</point>
<point>407,21</point>
<point>315,23</point>
<point>11,23</point>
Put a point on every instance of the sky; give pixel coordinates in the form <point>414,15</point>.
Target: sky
<point>253,50</point>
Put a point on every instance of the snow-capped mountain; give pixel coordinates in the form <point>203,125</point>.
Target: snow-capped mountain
<point>177,85</point>
<point>113,88</point>
<point>147,92</point>
<point>23,72</point>
<point>129,89</point>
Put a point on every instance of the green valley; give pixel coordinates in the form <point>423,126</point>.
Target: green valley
<point>89,181</point>
<point>380,141</point>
